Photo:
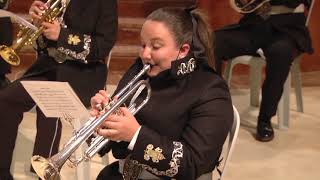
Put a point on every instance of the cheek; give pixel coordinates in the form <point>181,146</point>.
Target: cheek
<point>163,63</point>
<point>163,59</point>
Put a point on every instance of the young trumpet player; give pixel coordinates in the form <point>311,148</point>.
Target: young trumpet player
<point>180,132</point>
<point>71,49</point>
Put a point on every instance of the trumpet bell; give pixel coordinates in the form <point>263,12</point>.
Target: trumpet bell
<point>44,169</point>
<point>9,55</point>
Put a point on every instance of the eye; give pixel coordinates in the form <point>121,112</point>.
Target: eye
<point>142,49</point>
<point>156,46</point>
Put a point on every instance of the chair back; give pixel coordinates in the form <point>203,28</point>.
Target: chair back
<point>233,134</point>
<point>107,61</point>
<point>310,12</point>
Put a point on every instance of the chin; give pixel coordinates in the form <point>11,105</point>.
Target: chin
<point>152,73</point>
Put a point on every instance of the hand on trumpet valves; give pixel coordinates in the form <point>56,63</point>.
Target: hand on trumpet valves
<point>36,10</point>
<point>99,102</point>
<point>119,127</point>
<point>51,30</point>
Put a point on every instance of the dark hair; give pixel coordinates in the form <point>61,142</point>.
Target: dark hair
<point>179,23</point>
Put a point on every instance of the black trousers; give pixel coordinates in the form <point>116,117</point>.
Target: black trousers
<point>110,172</point>
<point>279,50</point>
<point>6,38</point>
<point>14,101</point>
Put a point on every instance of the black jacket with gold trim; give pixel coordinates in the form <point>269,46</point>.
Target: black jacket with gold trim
<point>184,124</point>
<point>88,33</point>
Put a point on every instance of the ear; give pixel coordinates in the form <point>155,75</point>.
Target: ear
<point>184,50</point>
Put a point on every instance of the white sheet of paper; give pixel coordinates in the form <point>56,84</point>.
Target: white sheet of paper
<point>55,98</point>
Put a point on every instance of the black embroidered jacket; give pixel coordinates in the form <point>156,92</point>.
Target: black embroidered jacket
<point>184,124</point>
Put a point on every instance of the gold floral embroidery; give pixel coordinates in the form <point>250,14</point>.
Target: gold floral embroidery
<point>81,55</point>
<point>176,157</point>
<point>73,40</point>
<point>155,154</point>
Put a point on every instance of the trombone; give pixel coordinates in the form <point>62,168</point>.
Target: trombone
<point>50,168</point>
<point>28,35</point>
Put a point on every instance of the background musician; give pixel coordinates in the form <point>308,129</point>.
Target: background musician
<point>72,50</point>
<point>282,36</point>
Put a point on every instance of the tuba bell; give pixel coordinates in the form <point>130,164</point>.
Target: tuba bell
<point>27,36</point>
<point>247,6</point>
<point>48,169</point>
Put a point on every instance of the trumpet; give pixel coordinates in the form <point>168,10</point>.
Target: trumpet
<point>27,36</point>
<point>50,168</point>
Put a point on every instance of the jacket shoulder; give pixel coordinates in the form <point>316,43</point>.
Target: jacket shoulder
<point>208,77</point>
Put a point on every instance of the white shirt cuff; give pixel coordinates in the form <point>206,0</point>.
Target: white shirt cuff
<point>134,139</point>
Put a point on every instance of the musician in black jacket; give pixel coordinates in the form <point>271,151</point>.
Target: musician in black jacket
<point>73,51</point>
<point>180,132</point>
<point>281,36</point>
<point>6,38</point>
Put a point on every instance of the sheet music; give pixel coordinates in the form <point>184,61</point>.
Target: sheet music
<point>55,99</point>
<point>16,18</point>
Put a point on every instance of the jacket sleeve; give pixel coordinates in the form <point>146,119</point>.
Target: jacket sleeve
<point>95,46</point>
<point>201,142</point>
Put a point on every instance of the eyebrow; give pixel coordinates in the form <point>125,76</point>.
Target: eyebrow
<point>156,39</point>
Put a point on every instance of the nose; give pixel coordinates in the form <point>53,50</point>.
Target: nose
<point>145,54</point>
